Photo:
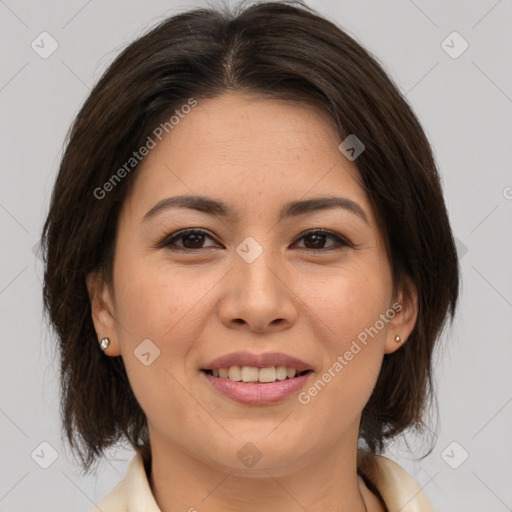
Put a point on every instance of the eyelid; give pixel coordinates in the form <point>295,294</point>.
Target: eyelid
<point>176,235</point>
<point>341,240</point>
<point>336,236</point>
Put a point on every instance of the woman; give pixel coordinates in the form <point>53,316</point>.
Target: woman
<point>248,263</point>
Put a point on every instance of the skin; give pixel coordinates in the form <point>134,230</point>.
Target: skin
<point>207,302</point>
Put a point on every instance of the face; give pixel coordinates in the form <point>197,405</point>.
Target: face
<point>314,284</point>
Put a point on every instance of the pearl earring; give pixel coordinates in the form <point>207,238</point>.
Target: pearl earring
<point>398,339</point>
<point>104,343</point>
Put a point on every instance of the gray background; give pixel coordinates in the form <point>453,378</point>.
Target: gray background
<point>465,106</point>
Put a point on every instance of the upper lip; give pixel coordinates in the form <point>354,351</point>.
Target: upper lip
<point>258,360</point>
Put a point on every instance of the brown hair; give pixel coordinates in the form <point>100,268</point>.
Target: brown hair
<point>281,50</point>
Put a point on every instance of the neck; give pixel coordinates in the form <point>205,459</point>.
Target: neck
<point>180,481</point>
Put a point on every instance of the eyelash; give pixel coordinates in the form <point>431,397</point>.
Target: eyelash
<point>169,240</point>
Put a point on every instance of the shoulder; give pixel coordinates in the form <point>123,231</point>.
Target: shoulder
<point>115,501</point>
<point>132,493</point>
<point>399,491</point>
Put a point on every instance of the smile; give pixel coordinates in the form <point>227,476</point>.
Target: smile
<point>256,386</point>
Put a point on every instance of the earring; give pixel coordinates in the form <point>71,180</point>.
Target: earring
<point>398,339</point>
<point>104,343</point>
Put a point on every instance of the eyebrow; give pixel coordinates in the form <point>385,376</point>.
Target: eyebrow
<point>288,210</point>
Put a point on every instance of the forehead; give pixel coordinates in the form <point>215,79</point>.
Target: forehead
<point>248,150</point>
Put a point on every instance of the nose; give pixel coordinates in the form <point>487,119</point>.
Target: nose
<point>259,296</point>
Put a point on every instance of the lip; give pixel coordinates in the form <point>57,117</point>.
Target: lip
<point>264,360</point>
<point>257,393</point>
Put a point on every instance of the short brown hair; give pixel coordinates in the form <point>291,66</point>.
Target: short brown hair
<point>281,50</point>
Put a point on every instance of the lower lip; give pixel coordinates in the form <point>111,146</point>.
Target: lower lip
<point>257,394</point>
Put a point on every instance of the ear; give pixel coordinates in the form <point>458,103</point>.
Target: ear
<point>103,313</point>
<point>405,306</point>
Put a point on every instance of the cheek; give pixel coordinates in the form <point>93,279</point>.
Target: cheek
<point>351,316</point>
<point>347,301</point>
<point>171,307</point>
<point>159,302</point>
<point>160,315</point>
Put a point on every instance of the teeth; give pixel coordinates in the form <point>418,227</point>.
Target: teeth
<point>290,372</point>
<point>281,372</point>
<point>235,373</point>
<point>253,374</point>
<point>267,374</point>
<point>249,374</point>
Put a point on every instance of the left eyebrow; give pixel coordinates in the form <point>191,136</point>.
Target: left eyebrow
<point>296,208</point>
<point>292,209</point>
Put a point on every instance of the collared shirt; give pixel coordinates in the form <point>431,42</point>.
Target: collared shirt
<point>400,492</point>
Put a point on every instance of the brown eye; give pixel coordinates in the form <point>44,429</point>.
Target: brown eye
<point>191,239</point>
<point>194,239</point>
<point>315,240</point>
